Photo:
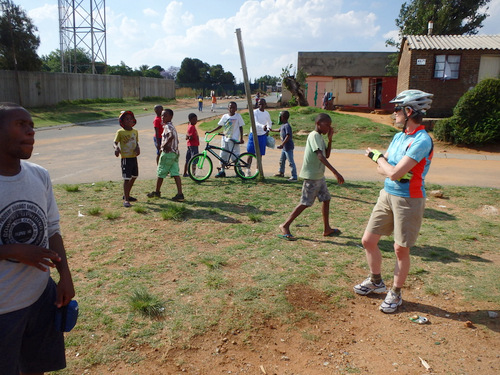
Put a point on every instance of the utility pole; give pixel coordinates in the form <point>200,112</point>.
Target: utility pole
<point>249,103</point>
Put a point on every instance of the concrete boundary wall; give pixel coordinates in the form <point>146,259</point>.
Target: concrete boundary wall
<point>38,89</point>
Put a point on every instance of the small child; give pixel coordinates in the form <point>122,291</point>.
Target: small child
<point>316,156</point>
<point>169,158</point>
<point>286,146</point>
<point>193,141</point>
<point>158,128</point>
<point>127,145</point>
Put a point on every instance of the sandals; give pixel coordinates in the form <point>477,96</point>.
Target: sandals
<point>287,237</point>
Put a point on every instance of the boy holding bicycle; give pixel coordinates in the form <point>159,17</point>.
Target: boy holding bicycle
<point>232,124</point>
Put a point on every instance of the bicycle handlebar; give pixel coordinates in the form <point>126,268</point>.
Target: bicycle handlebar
<point>210,136</point>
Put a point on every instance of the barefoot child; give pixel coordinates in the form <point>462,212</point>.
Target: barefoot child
<point>316,156</point>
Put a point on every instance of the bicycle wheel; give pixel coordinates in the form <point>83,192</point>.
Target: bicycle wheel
<point>200,167</point>
<point>246,166</point>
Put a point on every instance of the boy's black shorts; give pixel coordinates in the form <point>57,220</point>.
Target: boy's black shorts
<point>130,168</point>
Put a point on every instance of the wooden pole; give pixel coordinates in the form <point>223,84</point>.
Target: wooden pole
<point>250,106</point>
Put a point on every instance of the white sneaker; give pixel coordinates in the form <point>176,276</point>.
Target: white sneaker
<point>391,303</point>
<point>367,287</point>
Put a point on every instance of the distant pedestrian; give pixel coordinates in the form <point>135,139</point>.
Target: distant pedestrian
<point>316,156</point>
<point>214,101</point>
<point>127,145</point>
<point>200,103</point>
<point>193,141</point>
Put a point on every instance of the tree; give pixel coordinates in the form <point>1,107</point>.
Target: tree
<point>455,17</point>
<point>18,42</point>
<point>80,57</point>
<point>170,73</point>
<point>294,84</point>
<point>217,76</point>
<point>476,117</point>
<point>267,80</point>
<point>121,70</point>
<point>193,71</point>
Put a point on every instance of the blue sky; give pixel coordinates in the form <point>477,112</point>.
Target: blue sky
<point>152,32</point>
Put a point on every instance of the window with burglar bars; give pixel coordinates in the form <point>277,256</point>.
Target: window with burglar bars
<point>447,66</point>
<point>353,85</point>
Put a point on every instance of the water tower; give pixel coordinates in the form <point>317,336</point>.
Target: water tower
<point>82,27</point>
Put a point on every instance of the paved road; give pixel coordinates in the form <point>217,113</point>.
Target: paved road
<point>84,154</point>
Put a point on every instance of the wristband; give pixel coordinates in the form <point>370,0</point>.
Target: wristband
<point>375,155</point>
<point>407,177</point>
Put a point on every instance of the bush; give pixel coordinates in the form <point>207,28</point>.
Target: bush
<point>476,117</point>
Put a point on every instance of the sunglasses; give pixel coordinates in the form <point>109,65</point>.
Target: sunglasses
<point>398,108</point>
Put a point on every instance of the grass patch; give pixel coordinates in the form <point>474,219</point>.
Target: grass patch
<point>94,211</point>
<point>147,304</point>
<point>174,212</point>
<point>85,110</point>
<point>71,188</point>
<point>352,132</point>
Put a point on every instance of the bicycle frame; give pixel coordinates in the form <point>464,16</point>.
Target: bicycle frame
<point>209,149</point>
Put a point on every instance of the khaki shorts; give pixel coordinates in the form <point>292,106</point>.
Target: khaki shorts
<point>400,215</point>
<point>312,189</point>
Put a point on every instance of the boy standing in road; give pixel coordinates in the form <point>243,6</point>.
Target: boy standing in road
<point>127,145</point>
<point>316,156</point>
<point>30,244</point>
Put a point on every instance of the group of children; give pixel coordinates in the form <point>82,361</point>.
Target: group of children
<point>167,144</point>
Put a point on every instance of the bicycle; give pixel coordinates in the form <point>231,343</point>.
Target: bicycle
<point>200,166</point>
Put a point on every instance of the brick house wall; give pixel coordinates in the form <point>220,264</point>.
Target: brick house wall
<point>446,92</point>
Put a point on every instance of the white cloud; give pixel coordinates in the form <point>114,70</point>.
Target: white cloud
<point>175,19</point>
<point>150,12</point>
<point>47,12</point>
<point>273,31</point>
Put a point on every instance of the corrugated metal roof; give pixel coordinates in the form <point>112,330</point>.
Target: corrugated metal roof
<point>453,42</point>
